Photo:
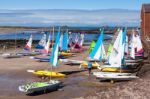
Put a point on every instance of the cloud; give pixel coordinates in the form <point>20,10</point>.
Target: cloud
<point>47,17</point>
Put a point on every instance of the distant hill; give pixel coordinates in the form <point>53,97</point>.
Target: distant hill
<point>48,17</point>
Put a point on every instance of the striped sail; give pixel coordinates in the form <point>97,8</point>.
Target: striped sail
<point>29,44</point>
<point>97,52</point>
<point>42,42</point>
<point>54,54</point>
<point>46,48</point>
<point>65,41</point>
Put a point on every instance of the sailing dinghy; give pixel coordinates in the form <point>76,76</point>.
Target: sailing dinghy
<point>27,49</point>
<point>50,85</point>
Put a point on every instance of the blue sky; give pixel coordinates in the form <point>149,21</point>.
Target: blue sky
<point>72,4</point>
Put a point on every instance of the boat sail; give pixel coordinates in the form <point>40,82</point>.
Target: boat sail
<point>29,44</point>
<point>46,47</point>
<point>54,55</point>
<point>98,53</point>
<point>42,42</point>
<point>65,41</point>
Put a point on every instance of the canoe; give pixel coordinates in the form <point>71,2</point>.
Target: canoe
<point>40,86</point>
<point>47,73</point>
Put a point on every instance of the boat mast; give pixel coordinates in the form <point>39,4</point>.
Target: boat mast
<point>15,41</point>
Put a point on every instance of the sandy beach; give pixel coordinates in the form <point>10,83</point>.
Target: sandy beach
<point>77,85</point>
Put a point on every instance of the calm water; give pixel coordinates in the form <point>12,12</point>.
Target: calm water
<point>37,36</point>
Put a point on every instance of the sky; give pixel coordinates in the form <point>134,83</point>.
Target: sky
<point>72,4</point>
<point>88,13</point>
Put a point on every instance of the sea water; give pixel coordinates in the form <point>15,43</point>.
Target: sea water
<point>37,36</point>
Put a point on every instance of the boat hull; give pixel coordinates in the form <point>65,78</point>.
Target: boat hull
<point>48,74</point>
<point>40,86</point>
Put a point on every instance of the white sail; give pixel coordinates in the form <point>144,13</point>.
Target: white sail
<point>81,39</point>
<point>61,41</point>
<point>138,46</point>
<point>116,54</point>
<point>126,46</point>
<point>46,48</point>
<point>103,52</point>
<point>132,44</point>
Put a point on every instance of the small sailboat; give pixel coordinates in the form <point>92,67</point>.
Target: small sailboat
<point>27,49</point>
<point>97,54</point>
<point>64,50</point>
<point>50,85</point>
<point>77,47</point>
<point>53,60</point>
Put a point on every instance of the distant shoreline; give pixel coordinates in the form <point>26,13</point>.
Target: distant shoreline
<point>14,29</point>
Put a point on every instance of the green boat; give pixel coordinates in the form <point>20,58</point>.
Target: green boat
<point>40,86</point>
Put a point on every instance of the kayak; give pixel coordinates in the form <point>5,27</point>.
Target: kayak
<point>114,70</point>
<point>40,86</point>
<point>85,65</point>
<point>66,54</point>
<point>47,73</point>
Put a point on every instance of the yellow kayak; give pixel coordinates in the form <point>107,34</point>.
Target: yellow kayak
<point>48,73</point>
<point>114,70</point>
<point>85,65</point>
<point>67,54</point>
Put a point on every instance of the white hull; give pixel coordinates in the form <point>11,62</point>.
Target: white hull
<point>108,73</point>
<point>133,61</point>
<point>29,53</point>
<point>70,61</point>
<point>113,76</point>
<point>11,55</point>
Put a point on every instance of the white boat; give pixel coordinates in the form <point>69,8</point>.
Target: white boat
<point>71,61</point>
<point>113,76</point>
<point>108,73</point>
